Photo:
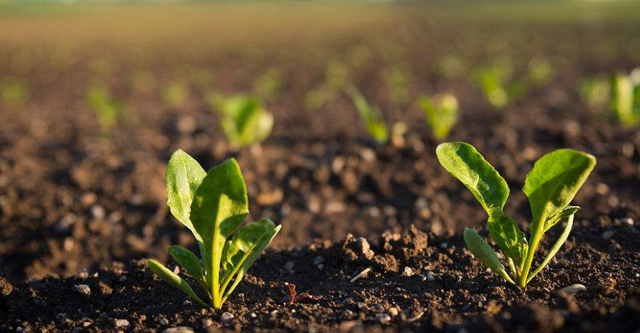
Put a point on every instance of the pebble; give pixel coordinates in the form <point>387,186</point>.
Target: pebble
<point>61,318</point>
<point>573,289</point>
<point>318,260</point>
<point>179,329</point>
<point>627,220</point>
<point>383,318</point>
<point>430,276</point>
<point>186,302</point>
<point>347,313</point>
<point>19,330</point>
<point>365,248</point>
<point>122,278</point>
<point>408,271</point>
<point>368,154</point>
<point>226,318</point>
<point>82,289</point>
<point>121,323</point>
<point>207,322</point>
<point>98,212</point>
<point>253,315</point>
<point>164,321</point>
<point>393,311</point>
<point>607,235</point>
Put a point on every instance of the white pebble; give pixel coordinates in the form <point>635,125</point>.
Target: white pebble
<point>122,323</point>
<point>226,318</point>
<point>573,289</point>
<point>82,289</point>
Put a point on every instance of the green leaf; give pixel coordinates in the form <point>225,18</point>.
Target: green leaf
<point>184,176</point>
<point>188,261</point>
<point>464,162</point>
<point>265,240</point>
<point>173,279</point>
<point>565,213</point>
<point>504,231</point>
<point>555,248</point>
<point>621,102</point>
<point>243,244</point>
<point>219,207</point>
<point>483,251</point>
<point>552,183</point>
<point>244,121</point>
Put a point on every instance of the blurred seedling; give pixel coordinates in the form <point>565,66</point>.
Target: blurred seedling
<point>176,93</point>
<point>441,112</point>
<point>269,84</point>
<point>371,116</point>
<point>109,110</point>
<point>335,78</point>
<point>550,187</point>
<point>497,83</point>
<point>396,79</point>
<point>243,119</point>
<point>618,98</point>
<point>214,206</point>
<point>13,91</point>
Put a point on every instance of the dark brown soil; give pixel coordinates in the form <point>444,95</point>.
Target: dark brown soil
<point>417,282</point>
<point>73,200</point>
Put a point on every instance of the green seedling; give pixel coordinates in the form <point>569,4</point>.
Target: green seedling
<point>213,205</point>
<point>371,116</point>
<point>269,84</point>
<point>396,78</point>
<point>109,110</point>
<point>442,114</point>
<point>497,83</point>
<point>335,78</point>
<point>13,91</point>
<point>550,186</point>
<point>244,120</point>
<point>176,93</point>
<point>617,98</point>
<point>540,71</point>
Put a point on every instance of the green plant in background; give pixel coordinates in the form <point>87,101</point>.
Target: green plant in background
<point>441,112</point>
<point>213,205</point>
<point>335,78</point>
<point>595,93</point>
<point>371,116</point>
<point>450,66</point>
<point>497,83</point>
<point>540,71</point>
<point>396,78</point>
<point>244,120</point>
<point>269,84</point>
<point>176,93</point>
<point>550,186</point>
<point>618,98</point>
<point>14,92</point>
<point>109,110</point>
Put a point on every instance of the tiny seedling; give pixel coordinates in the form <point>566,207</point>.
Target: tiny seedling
<point>176,93</point>
<point>13,91</point>
<point>213,205</point>
<point>244,120</point>
<point>550,186</point>
<point>371,116</point>
<point>497,83</point>
<point>441,112</point>
<point>108,110</point>
<point>617,98</point>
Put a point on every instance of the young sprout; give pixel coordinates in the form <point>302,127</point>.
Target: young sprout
<point>371,116</point>
<point>13,91</point>
<point>244,120</point>
<point>108,110</point>
<point>441,112</point>
<point>335,77</point>
<point>213,205</point>
<point>621,103</point>
<point>176,93</point>
<point>497,83</point>
<point>595,93</point>
<point>550,186</point>
<point>617,98</point>
<point>269,84</point>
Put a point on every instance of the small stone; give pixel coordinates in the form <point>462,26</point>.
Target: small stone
<point>186,302</point>
<point>122,323</point>
<point>179,329</point>
<point>365,248</point>
<point>61,318</point>
<point>206,322</point>
<point>226,318</point>
<point>122,278</point>
<point>627,220</point>
<point>186,125</point>
<point>393,311</point>
<point>430,276</point>
<point>19,330</point>
<point>83,274</point>
<point>289,267</point>
<point>347,313</point>
<point>253,315</point>
<point>573,289</point>
<point>607,235</point>
<point>318,260</point>
<point>351,326</point>
<point>383,318</point>
<point>164,321</point>
<point>408,271</point>
<point>82,289</point>
<point>368,154</point>
<point>98,212</point>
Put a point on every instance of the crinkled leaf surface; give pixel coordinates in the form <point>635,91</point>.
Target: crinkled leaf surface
<point>504,231</point>
<point>244,243</point>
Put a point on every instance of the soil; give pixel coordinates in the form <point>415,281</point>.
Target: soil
<point>80,208</point>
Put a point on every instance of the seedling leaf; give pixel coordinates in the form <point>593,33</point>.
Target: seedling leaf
<point>555,248</point>
<point>483,251</point>
<point>565,213</point>
<point>168,276</point>
<point>188,261</point>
